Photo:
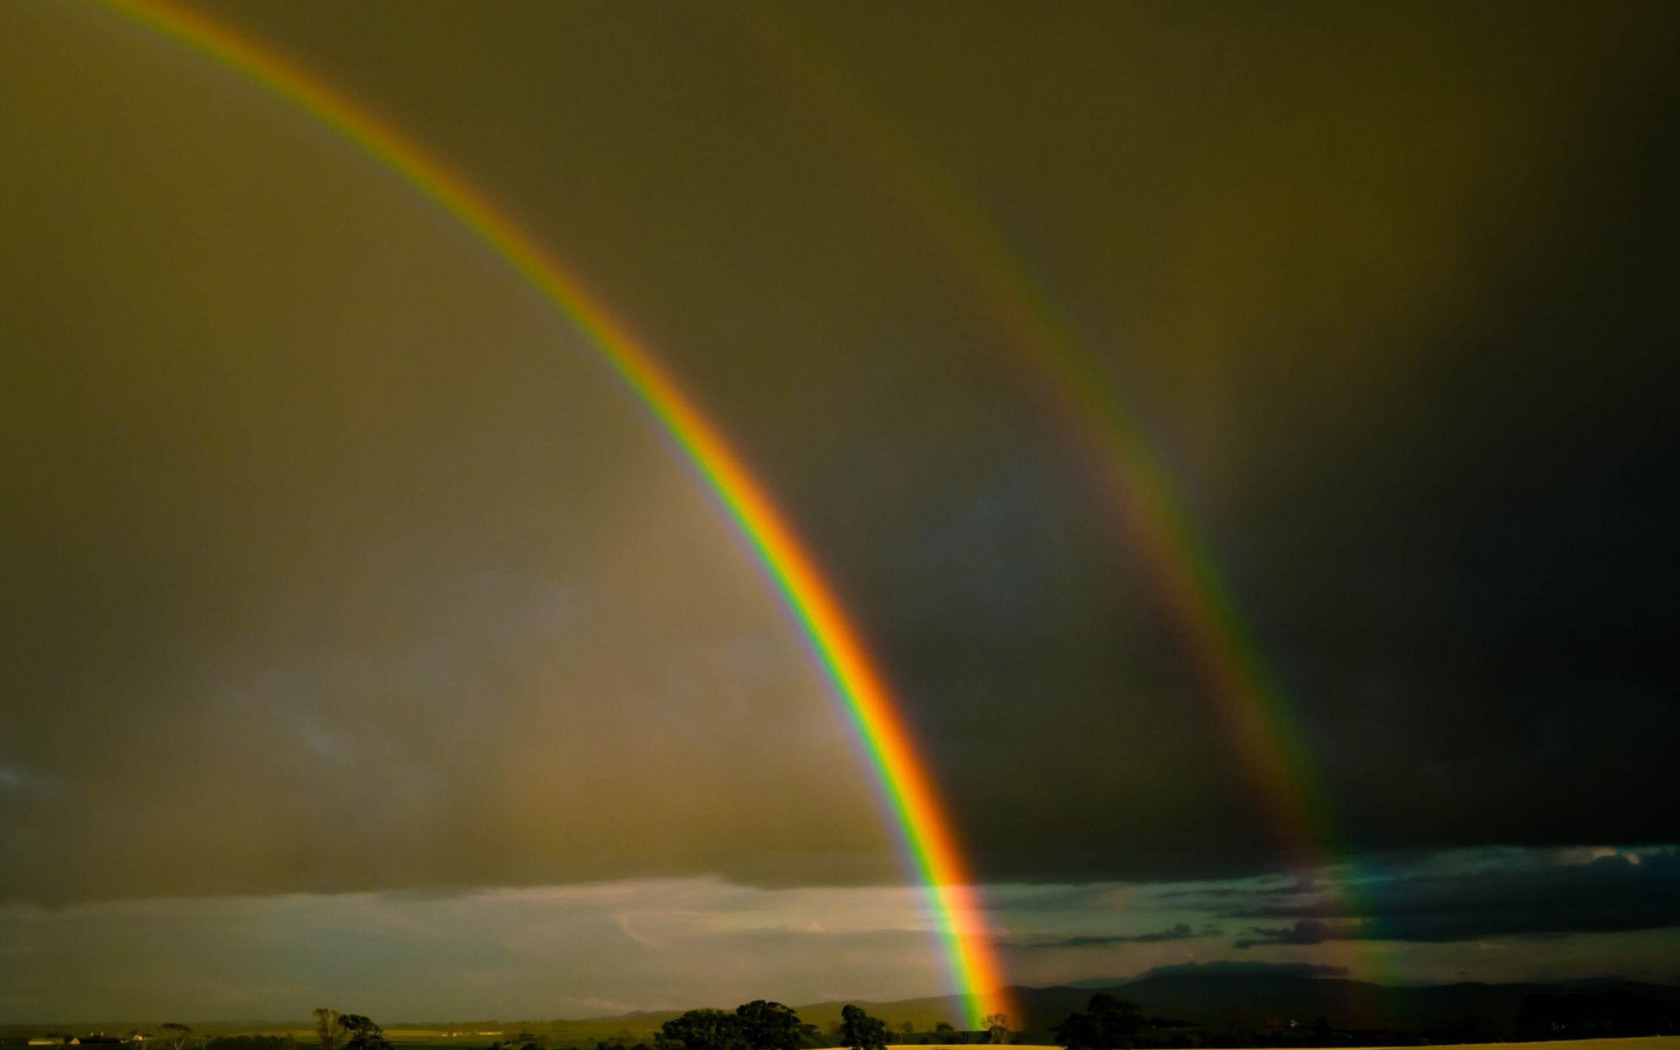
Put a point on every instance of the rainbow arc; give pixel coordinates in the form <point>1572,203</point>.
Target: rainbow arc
<point>925,826</point>
<point>1252,709</point>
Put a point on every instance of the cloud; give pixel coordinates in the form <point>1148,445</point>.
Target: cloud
<point>652,944</point>
<point>1180,931</point>
<point>1243,966</point>
<point>1512,894</point>
<point>1305,931</point>
<point>1298,885</point>
<point>334,561</point>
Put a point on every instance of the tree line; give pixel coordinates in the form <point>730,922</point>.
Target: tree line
<point>763,1025</point>
<point>1112,1023</point>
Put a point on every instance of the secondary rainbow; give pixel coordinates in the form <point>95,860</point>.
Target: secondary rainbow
<point>1253,710</point>
<point>925,827</point>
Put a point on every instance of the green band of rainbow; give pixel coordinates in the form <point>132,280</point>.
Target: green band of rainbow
<point>1254,712</point>
<point>926,829</point>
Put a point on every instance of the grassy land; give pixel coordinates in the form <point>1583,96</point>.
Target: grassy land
<point>1658,1042</point>
<point>1638,1042</point>
<point>1655,1042</point>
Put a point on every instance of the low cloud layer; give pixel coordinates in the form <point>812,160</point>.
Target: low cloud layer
<point>577,951</point>
<point>1179,931</point>
<point>1619,891</point>
<point>601,948</point>
<point>1247,967</point>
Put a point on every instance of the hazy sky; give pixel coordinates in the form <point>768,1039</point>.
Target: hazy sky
<point>349,600</point>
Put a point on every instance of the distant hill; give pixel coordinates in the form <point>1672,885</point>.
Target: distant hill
<point>1210,998</point>
<point>1213,997</point>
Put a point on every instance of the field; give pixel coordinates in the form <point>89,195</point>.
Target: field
<point>1657,1042</point>
<point>417,1037</point>
<point>438,1037</point>
<point>481,1035</point>
<point>1649,1042</point>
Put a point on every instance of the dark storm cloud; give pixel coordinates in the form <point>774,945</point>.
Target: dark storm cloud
<point>333,560</point>
<point>321,531</point>
<point>1040,897</point>
<point>1614,893</point>
<point>1240,966</point>
<point>1424,420</point>
<point>1300,884</point>
<point>1178,931</point>
<point>1305,931</point>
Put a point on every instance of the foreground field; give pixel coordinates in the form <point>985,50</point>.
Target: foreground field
<point>1638,1042</point>
<point>1651,1042</point>
<point>1658,1042</point>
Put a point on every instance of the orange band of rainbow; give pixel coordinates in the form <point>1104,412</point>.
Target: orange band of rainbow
<point>925,826</point>
<point>1254,712</point>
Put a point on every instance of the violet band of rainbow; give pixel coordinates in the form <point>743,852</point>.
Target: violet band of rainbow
<point>920,817</point>
<point>1255,714</point>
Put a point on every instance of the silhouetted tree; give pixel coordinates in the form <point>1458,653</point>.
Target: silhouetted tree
<point>176,1033</point>
<point>363,1033</point>
<point>860,1031</point>
<point>942,1028</point>
<point>1109,1023</point>
<point>703,1030</point>
<point>997,1028</point>
<point>767,1026</point>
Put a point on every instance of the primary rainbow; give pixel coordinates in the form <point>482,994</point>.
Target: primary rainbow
<point>925,827</point>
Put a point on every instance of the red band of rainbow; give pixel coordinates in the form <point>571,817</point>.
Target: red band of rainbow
<point>1260,724</point>
<point>925,827</point>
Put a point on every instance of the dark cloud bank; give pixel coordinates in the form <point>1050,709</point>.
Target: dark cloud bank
<point>1606,895</point>
<point>1178,931</point>
<point>333,562</point>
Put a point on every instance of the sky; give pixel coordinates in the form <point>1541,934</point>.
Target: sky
<point>365,641</point>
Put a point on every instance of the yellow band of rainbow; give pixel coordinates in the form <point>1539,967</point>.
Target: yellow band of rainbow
<point>1254,712</point>
<point>926,828</point>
